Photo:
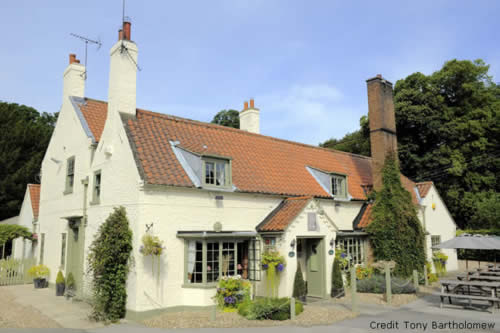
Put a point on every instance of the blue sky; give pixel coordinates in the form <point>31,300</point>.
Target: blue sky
<point>304,62</point>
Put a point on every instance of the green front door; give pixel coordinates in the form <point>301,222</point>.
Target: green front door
<point>315,267</point>
<point>74,262</point>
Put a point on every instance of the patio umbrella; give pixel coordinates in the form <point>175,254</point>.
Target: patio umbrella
<point>473,242</point>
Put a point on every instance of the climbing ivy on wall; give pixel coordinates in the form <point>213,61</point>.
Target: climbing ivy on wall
<point>109,260</point>
<point>396,232</point>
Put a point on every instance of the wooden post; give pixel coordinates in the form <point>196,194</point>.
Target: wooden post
<point>388,290</point>
<point>213,312</point>
<point>426,281</point>
<point>415,280</point>
<point>292,308</point>
<point>353,290</point>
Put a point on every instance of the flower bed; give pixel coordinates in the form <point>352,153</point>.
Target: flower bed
<point>232,291</point>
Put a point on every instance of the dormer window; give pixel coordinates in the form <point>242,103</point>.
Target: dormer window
<point>216,172</point>
<point>339,186</point>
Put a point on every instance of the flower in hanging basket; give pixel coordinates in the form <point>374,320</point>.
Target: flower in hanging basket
<point>151,246</point>
<point>280,267</point>
<point>265,266</point>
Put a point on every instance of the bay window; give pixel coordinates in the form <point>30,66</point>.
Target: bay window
<point>208,260</point>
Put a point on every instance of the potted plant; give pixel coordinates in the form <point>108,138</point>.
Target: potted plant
<point>60,284</point>
<point>299,285</point>
<point>39,274</point>
<point>70,286</point>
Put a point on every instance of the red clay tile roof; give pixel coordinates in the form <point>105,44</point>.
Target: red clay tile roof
<point>34,190</point>
<point>95,113</point>
<point>284,214</point>
<point>260,164</point>
<point>366,217</point>
<point>423,188</point>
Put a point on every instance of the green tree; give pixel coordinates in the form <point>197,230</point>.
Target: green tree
<point>109,266</point>
<point>448,127</point>
<point>355,142</point>
<point>24,137</point>
<point>396,232</point>
<point>229,118</point>
<point>9,232</point>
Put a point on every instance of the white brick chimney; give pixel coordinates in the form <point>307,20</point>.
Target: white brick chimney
<point>123,73</point>
<point>74,79</point>
<point>250,118</point>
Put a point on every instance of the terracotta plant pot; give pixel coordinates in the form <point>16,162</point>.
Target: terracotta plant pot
<point>60,289</point>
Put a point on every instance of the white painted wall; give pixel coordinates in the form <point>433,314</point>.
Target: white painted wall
<point>438,221</point>
<point>250,120</point>
<point>23,248</point>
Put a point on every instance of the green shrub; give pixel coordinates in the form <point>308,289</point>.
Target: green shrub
<point>12,231</point>
<point>39,271</point>
<point>269,309</point>
<point>337,282</point>
<point>376,284</point>
<point>439,259</point>
<point>60,278</point>
<point>108,260</point>
<point>70,281</point>
<point>299,285</point>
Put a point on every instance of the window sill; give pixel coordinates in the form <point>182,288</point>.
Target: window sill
<point>228,188</point>
<point>67,192</point>
<point>199,285</point>
<point>95,202</point>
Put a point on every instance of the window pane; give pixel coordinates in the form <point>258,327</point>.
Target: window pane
<point>212,261</point>
<point>228,266</point>
<point>221,174</point>
<point>209,173</point>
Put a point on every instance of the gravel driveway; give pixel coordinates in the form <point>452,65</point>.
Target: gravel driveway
<point>14,315</point>
<point>198,319</point>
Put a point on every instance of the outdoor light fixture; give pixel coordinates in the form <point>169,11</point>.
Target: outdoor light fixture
<point>292,244</point>
<point>332,242</point>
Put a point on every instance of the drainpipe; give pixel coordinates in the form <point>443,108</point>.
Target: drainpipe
<point>85,182</point>
<point>422,207</point>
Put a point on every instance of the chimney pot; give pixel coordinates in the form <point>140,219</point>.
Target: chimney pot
<point>245,105</point>
<point>72,58</point>
<point>252,103</point>
<point>77,61</point>
<point>126,30</point>
<point>120,34</point>
<point>379,76</point>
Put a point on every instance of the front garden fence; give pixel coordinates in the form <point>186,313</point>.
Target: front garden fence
<point>15,271</point>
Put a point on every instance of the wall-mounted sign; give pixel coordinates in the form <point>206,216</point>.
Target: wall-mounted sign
<point>291,254</point>
<point>217,227</point>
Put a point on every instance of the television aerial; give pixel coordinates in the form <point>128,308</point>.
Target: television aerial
<point>87,41</point>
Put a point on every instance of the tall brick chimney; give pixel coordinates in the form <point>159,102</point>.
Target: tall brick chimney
<point>382,125</point>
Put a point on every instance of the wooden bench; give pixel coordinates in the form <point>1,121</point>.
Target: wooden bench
<point>491,300</point>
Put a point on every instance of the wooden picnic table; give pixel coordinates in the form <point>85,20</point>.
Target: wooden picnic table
<point>490,273</point>
<point>470,290</point>
<point>474,276</point>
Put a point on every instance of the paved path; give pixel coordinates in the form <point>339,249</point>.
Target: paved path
<point>65,312</point>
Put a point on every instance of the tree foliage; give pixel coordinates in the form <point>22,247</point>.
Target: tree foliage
<point>24,137</point>
<point>12,231</point>
<point>337,282</point>
<point>396,232</point>
<point>448,126</point>
<point>109,266</point>
<point>229,118</point>
<point>354,142</point>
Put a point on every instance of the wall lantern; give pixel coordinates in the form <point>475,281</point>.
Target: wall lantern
<point>292,244</point>
<point>332,243</point>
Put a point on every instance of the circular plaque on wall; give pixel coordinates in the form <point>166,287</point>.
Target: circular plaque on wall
<point>291,254</point>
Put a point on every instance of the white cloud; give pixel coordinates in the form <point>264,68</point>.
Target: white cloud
<point>307,113</point>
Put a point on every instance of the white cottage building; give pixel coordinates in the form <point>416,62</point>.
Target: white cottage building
<point>207,191</point>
